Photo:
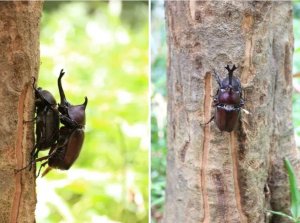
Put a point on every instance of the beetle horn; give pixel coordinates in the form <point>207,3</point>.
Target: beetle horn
<point>230,72</point>
<point>85,102</point>
<point>63,99</point>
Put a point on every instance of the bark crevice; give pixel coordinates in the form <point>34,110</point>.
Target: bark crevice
<point>207,114</point>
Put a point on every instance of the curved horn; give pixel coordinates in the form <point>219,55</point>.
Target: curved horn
<point>85,102</point>
<point>63,99</point>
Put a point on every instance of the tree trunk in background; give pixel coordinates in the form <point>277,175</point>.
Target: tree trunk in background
<point>229,177</point>
<point>19,60</point>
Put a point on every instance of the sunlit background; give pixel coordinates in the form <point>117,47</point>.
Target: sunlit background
<point>158,102</point>
<point>103,48</point>
<point>158,109</point>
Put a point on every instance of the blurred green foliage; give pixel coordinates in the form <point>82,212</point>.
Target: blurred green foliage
<point>106,59</point>
<point>158,110</point>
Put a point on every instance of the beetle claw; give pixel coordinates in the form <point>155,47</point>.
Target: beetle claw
<point>42,165</point>
<point>23,168</point>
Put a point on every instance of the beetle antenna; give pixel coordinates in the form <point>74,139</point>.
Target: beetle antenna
<point>230,72</point>
<point>217,77</point>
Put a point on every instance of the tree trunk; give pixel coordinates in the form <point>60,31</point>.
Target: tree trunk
<point>215,176</point>
<point>19,59</point>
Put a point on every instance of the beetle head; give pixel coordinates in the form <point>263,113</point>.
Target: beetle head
<point>231,82</point>
<point>74,112</point>
<point>43,97</point>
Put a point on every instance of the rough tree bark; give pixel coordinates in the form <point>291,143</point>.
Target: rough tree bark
<point>215,176</point>
<point>19,62</point>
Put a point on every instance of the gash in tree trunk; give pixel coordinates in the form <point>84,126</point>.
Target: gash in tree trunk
<point>19,62</point>
<point>215,176</point>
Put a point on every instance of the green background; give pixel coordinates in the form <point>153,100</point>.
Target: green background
<point>158,110</point>
<point>103,48</point>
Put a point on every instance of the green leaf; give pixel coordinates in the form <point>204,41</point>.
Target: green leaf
<point>282,214</point>
<point>295,196</point>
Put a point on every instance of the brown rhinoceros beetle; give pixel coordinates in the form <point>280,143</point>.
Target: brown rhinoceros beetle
<point>47,122</point>
<point>71,135</point>
<point>228,101</point>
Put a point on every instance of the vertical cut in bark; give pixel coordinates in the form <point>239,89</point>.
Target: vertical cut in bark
<point>215,176</point>
<point>19,62</point>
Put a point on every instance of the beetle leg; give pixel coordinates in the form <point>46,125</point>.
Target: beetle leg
<point>67,121</point>
<point>23,168</point>
<point>34,153</point>
<point>212,118</point>
<point>32,160</point>
<point>44,158</point>
<point>42,165</point>
<point>48,156</point>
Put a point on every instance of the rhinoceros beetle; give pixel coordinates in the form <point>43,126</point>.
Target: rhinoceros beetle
<point>228,101</point>
<point>47,122</point>
<point>71,135</point>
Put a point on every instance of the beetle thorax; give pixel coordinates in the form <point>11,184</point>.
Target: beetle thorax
<point>229,96</point>
<point>77,114</point>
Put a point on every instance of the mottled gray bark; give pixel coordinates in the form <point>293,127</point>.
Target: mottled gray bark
<point>215,176</point>
<point>19,62</point>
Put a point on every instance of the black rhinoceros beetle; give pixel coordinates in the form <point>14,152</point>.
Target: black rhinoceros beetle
<point>228,101</point>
